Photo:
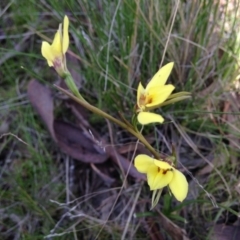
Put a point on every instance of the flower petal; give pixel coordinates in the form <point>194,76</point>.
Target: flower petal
<point>142,162</point>
<point>57,45</point>
<point>65,39</point>
<point>148,117</point>
<point>159,95</point>
<point>160,78</point>
<point>47,52</point>
<point>140,90</point>
<point>158,180</point>
<point>50,64</point>
<point>179,185</point>
<point>162,164</point>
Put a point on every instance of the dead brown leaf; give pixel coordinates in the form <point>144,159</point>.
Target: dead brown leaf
<point>79,143</point>
<point>69,138</point>
<point>42,101</point>
<point>73,142</point>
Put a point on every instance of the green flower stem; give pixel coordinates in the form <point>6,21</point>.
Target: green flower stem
<point>72,86</point>
<point>155,197</point>
<point>98,111</point>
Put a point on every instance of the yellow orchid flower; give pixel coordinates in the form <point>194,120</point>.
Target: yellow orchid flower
<point>155,93</point>
<point>161,174</point>
<point>55,53</point>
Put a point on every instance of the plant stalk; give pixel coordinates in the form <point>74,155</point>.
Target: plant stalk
<point>98,111</point>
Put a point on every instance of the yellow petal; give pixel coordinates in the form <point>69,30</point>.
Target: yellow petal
<point>140,90</point>
<point>47,53</point>
<point>162,164</point>
<point>159,95</point>
<point>50,64</point>
<point>65,39</point>
<point>179,185</point>
<point>57,45</point>
<point>156,179</point>
<point>148,117</point>
<point>142,162</point>
<point>160,78</point>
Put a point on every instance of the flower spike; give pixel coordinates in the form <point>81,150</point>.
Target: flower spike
<point>155,93</point>
<point>161,174</point>
<point>55,53</point>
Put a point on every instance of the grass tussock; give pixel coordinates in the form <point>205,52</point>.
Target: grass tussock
<point>114,45</point>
